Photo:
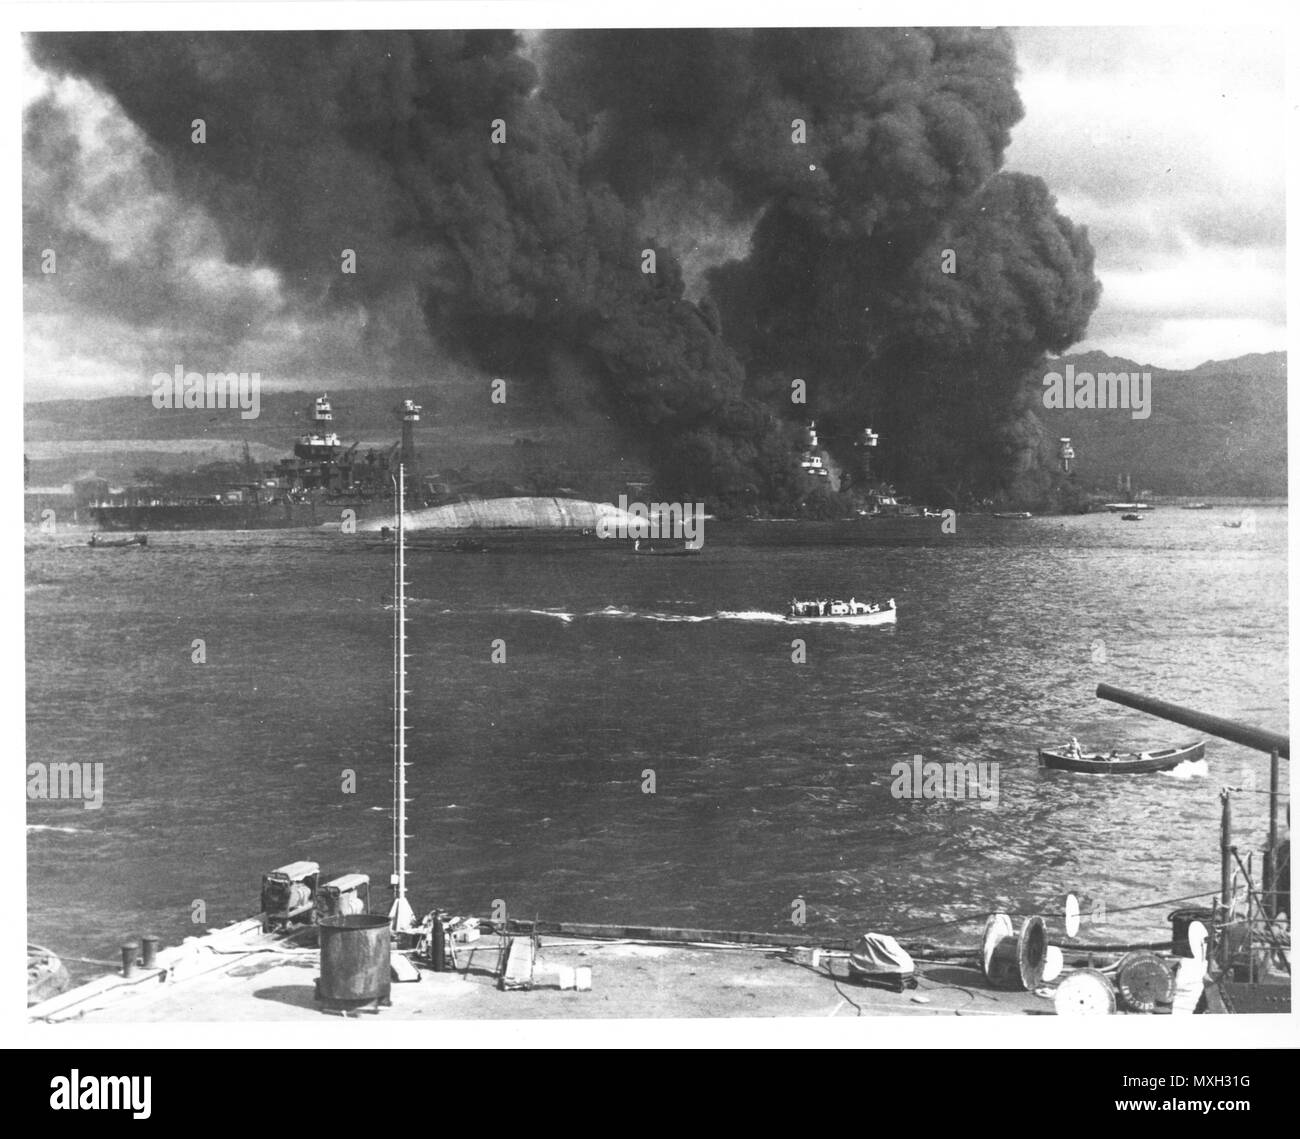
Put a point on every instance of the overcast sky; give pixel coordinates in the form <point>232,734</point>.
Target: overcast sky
<point>1166,143</point>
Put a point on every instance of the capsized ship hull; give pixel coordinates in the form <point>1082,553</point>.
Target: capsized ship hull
<point>518,513</point>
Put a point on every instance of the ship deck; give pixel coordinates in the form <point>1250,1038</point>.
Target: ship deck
<point>240,974</point>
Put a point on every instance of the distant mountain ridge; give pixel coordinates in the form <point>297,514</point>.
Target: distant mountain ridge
<point>1218,428</point>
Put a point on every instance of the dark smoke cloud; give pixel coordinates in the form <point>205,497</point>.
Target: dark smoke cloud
<point>842,284</point>
<point>380,142</point>
<point>900,123</point>
<point>525,258</point>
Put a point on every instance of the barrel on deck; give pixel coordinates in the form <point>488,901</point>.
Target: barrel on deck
<point>354,958</point>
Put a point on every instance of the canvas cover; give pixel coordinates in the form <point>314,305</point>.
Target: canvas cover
<point>879,955</point>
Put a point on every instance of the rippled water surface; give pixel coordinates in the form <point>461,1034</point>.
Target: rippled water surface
<point>773,779</point>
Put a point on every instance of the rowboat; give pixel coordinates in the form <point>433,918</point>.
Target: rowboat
<point>850,612</point>
<point>666,551</point>
<point>1130,518</point>
<point>1129,763</point>
<point>1012,514</point>
<point>97,541</point>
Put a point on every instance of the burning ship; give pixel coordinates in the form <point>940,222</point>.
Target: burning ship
<point>316,486</point>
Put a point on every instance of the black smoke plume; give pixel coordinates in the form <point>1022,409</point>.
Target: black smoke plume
<point>844,281</point>
<point>526,257</point>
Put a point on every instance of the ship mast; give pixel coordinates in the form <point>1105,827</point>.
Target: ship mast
<point>401,916</point>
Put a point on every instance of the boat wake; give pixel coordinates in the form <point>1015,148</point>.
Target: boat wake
<point>757,615</point>
<point>613,611</point>
<point>46,827</point>
<point>1195,769</point>
<point>558,614</point>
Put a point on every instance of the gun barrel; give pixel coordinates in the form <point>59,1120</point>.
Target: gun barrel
<point>1238,733</point>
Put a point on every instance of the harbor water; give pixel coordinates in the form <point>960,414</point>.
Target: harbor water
<point>606,738</point>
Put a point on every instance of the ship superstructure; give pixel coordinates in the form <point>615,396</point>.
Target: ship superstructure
<point>321,462</point>
<point>323,478</point>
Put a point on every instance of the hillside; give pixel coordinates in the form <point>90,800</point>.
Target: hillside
<point>521,443</point>
<point>1219,428</point>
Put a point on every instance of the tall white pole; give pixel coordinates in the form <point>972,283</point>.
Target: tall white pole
<point>401,915</point>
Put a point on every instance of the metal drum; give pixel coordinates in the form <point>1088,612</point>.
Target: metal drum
<point>354,958</point>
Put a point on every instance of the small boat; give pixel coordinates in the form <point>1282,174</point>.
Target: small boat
<point>1125,507</point>
<point>851,612</point>
<point>98,541</point>
<point>1012,514</point>
<point>1198,506</point>
<point>1233,525</point>
<point>1130,763</point>
<point>668,552</point>
<point>47,976</point>
<point>1130,518</point>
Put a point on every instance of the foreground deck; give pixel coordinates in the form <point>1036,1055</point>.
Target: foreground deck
<point>240,974</point>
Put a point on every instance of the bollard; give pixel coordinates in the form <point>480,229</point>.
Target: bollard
<point>150,958</point>
<point>438,945</point>
<point>129,951</point>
